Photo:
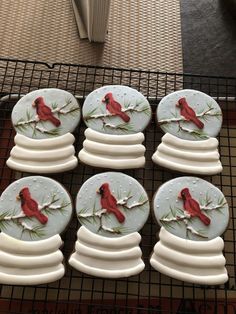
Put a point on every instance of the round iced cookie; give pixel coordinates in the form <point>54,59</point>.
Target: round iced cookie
<point>191,208</point>
<point>190,115</point>
<point>112,204</point>
<point>34,208</point>
<point>116,109</point>
<point>45,113</point>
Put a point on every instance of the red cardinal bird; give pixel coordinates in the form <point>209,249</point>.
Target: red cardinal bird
<point>44,112</point>
<point>192,207</point>
<point>30,206</point>
<point>188,113</point>
<point>114,107</point>
<point>109,202</point>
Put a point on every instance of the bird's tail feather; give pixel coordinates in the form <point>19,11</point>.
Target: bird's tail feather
<point>198,123</point>
<point>120,217</point>
<point>42,218</point>
<point>124,116</point>
<point>206,220</point>
<point>55,121</point>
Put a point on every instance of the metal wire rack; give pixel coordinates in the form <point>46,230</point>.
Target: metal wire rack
<point>149,292</point>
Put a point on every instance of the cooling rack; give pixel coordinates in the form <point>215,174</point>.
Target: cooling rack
<point>149,292</point>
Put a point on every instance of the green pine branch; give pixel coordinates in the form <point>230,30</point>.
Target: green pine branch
<point>35,232</point>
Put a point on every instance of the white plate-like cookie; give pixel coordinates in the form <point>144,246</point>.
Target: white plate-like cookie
<point>44,120</point>
<point>112,207</point>
<point>192,214</point>
<point>191,121</point>
<point>33,212</point>
<point>115,116</point>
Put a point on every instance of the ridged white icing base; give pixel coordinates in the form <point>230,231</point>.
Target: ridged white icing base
<point>113,151</point>
<point>50,155</point>
<point>199,157</point>
<point>107,257</point>
<point>200,262</point>
<point>30,263</point>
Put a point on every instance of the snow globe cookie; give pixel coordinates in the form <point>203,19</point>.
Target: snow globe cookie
<point>111,207</point>
<point>192,214</point>
<point>191,121</point>
<point>44,120</point>
<point>115,116</point>
<point>33,212</point>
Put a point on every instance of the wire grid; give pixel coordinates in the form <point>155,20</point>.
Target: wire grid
<point>150,291</point>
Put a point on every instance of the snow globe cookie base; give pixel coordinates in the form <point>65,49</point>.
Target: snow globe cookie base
<point>30,263</point>
<point>113,151</point>
<point>198,157</point>
<point>191,121</point>
<point>111,207</point>
<point>195,262</point>
<point>107,257</point>
<point>51,155</point>
<point>33,212</point>
<point>44,120</point>
<point>115,116</point>
<point>193,214</point>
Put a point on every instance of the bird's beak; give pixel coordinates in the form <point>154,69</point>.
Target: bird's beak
<point>180,196</point>
<point>103,100</point>
<point>98,191</point>
<point>33,104</point>
<point>18,197</point>
<point>177,104</point>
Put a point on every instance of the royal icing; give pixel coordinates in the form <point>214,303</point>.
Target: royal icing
<point>191,120</point>
<point>111,207</point>
<point>113,151</point>
<point>33,212</point>
<point>116,109</point>
<point>46,113</point>
<point>34,208</point>
<point>193,214</point>
<point>50,155</point>
<point>43,120</point>
<point>191,208</point>
<point>190,261</point>
<point>112,204</point>
<point>107,257</point>
<point>190,115</point>
<point>43,256</point>
<point>199,157</point>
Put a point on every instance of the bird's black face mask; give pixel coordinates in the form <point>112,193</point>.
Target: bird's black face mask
<point>100,191</point>
<point>106,99</point>
<point>20,198</point>
<point>183,195</point>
